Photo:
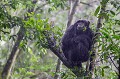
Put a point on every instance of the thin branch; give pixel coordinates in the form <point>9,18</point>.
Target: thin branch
<point>58,69</point>
<point>39,7</point>
<point>118,13</point>
<point>72,12</point>
<point>88,4</point>
<point>113,62</point>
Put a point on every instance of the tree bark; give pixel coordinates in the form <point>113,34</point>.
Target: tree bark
<point>72,12</point>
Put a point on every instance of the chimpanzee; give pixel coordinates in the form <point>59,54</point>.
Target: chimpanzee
<point>77,42</point>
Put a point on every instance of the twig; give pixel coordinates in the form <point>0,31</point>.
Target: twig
<point>86,4</point>
<point>40,7</point>
<point>113,62</point>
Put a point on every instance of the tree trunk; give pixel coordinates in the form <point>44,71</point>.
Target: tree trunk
<point>7,69</point>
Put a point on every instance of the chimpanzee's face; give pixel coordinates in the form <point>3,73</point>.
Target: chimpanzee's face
<point>82,25</point>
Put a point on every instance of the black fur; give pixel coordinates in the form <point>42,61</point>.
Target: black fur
<point>76,42</point>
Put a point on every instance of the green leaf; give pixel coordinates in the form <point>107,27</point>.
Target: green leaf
<point>104,2</point>
<point>97,11</point>
<point>29,73</point>
<point>104,15</point>
<point>102,71</point>
<point>106,35</point>
<point>113,13</point>
<point>116,37</point>
<point>105,67</point>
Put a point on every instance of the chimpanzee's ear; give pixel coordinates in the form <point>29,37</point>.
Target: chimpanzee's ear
<point>88,22</point>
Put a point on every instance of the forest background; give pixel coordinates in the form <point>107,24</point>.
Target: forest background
<point>30,28</point>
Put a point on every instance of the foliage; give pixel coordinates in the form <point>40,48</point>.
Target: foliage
<point>34,55</point>
<point>109,47</point>
<point>109,44</point>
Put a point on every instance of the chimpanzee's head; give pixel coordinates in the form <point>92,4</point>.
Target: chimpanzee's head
<point>82,25</point>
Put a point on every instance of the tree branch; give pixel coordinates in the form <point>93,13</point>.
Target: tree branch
<point>56,51</point>
<point>72,12</point>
